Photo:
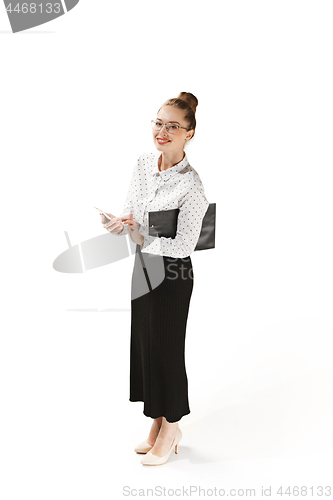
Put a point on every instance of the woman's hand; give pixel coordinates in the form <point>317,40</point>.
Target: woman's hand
<point>133,229</point>
<point>114,225</point>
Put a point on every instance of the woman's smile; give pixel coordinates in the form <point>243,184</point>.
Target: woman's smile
<point>162,141</point>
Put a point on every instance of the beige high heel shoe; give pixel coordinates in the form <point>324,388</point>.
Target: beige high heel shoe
<point>151,459</point>
<point>143,447</point>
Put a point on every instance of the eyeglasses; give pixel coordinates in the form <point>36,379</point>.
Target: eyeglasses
<point>172,128</point>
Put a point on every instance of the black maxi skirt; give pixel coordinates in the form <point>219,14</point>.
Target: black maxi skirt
<point>158,327</point>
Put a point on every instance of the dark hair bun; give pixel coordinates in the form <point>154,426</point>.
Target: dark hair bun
<point>191,100</point>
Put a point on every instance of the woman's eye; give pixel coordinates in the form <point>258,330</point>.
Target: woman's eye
<point>159,124</point>
<point>173,127</point>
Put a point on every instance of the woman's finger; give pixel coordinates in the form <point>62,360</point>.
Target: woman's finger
<point>128,221</point>
<point>115,229</point>
<point>110,226</point>
<point>112,221</point>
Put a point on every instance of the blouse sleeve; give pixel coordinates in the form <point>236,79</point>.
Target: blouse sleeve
<point>129,200</point>
<point>192,209</point>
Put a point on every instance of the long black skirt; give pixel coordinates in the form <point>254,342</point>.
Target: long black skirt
<point>159,309</point>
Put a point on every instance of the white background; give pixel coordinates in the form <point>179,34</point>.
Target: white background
<point>77,97</point>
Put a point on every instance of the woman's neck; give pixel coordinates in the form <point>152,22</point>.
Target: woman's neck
<point>165,161</point>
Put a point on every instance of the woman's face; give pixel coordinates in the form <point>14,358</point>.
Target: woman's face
<point>165,141</point>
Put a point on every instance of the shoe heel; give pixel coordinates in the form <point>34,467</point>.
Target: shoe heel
<point>176,448</point>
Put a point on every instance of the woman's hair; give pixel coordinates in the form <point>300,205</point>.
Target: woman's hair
<point>188,103</point>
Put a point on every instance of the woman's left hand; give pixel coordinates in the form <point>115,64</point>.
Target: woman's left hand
<point>133,229</point>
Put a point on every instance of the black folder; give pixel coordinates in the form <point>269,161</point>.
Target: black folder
<point>164,223</point>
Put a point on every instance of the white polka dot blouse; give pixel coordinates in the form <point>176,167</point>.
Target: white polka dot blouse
<point>177,187</point>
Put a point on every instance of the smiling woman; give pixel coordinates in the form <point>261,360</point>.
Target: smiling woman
<point>174,126</point>
<point>162,182</point>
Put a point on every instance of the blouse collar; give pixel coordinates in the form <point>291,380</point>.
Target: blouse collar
<point>167,174</point>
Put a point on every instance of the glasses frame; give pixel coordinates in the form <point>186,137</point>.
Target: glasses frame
<point>168,125</point>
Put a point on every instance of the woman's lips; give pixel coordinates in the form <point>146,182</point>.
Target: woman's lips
<point>162,141</point>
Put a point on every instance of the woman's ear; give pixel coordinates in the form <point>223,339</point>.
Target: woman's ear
<point>188,137</point>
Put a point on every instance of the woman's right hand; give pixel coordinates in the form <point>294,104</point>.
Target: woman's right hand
<point>114,225</point>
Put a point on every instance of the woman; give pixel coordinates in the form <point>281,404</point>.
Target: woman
<point>163,181</point>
